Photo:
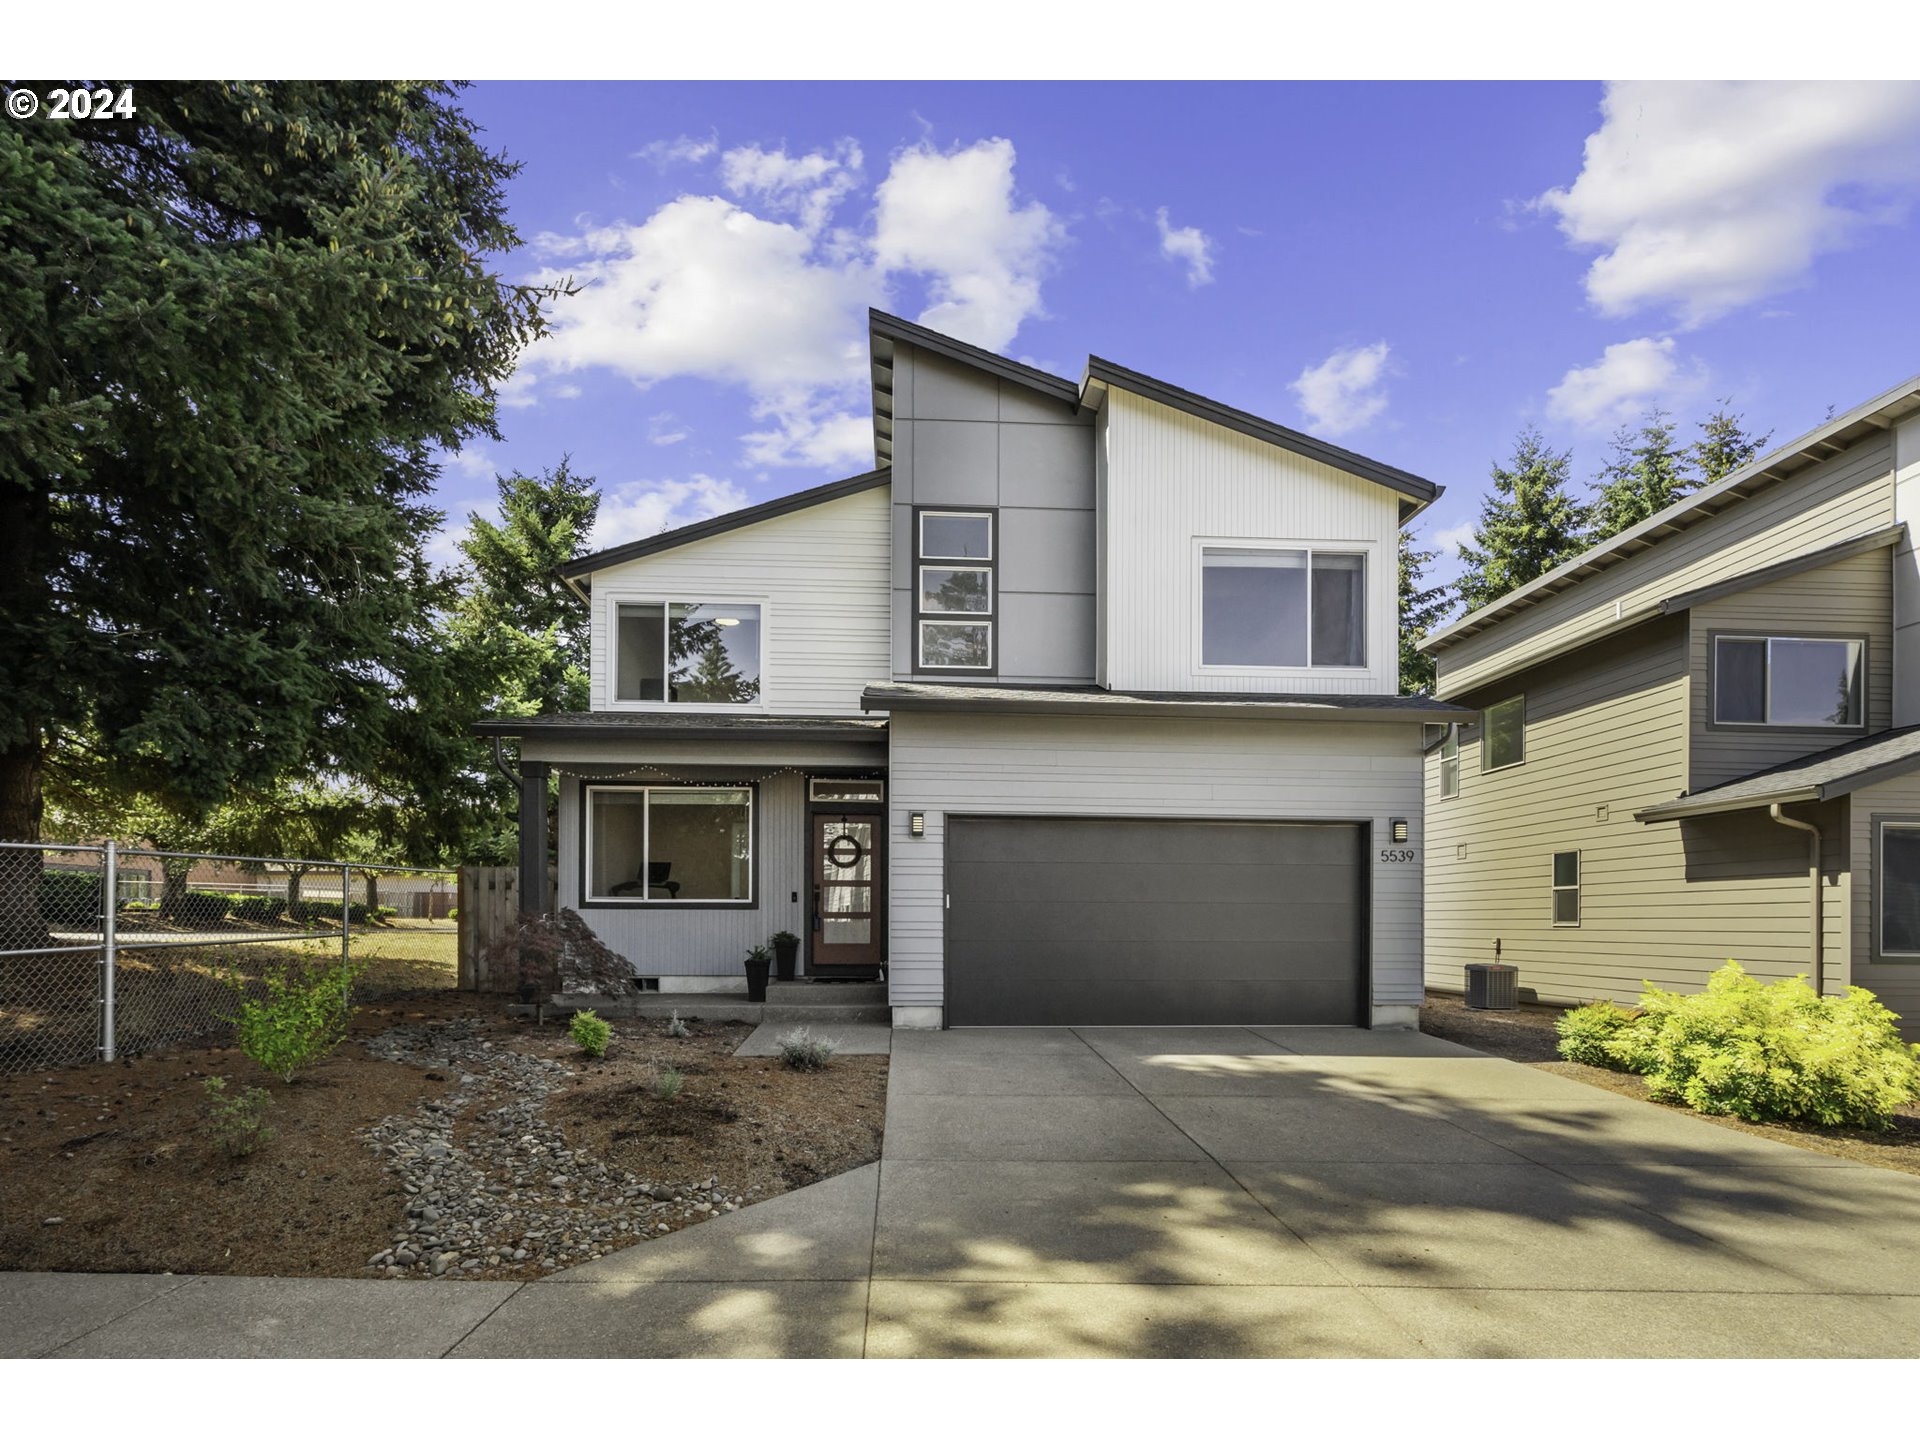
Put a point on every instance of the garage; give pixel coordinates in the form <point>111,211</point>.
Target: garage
<point>1054,921</point>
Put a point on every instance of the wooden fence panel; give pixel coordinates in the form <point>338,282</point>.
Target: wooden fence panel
<point>489,908</point>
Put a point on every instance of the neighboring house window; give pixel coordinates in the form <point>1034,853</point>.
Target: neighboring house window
<point>1896,883</point>
<point>1503,734</point>
<point>1282,609</point>
<point>684,653</point>
<point>1566,887</point>
<point>954,602</point>
<point>1450,763</point>
<point>669,845</point>
<point>1786,680</point>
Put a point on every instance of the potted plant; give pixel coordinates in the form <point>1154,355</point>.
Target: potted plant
<point>786,950</point>
<point>759,960</point>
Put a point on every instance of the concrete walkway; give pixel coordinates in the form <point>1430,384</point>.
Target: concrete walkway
<point>1166,1192</point>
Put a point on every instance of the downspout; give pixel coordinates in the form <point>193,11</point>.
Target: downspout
<point>1813,890</point>
<point>500,764</point>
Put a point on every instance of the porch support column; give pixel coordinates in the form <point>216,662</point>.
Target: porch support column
<point>534,896</point>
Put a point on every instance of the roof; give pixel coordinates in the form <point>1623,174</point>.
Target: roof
<point>721,524</point>
<point>1101,373</point>
<point>885,331</point>
<point>694,725</point>
<point>1091,699</point>
<point>1827,440</point>
<point>1821,776</point>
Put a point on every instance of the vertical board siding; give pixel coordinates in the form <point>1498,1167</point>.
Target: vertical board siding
<point>1834,501</point>
<point>661,941</point>
<point>1609,726</point>
<point>1849,598</point>
<point>1186,769</point>
<point>822,573</point>
<point>1171,478</point>
<point>1896,983</point>
<point>966,438</point>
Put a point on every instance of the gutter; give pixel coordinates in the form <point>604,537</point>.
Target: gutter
<point>1813,892</point>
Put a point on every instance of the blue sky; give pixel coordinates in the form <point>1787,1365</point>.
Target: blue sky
<point>1411,270</point>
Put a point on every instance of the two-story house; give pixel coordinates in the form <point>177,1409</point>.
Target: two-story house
<point>1081,708</point>
<point>1699,741</point>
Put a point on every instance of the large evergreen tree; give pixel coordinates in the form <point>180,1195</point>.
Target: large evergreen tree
<point>1724,445</point>
<point>234,331</point>
<point>1647,471</point>
<point>1421,607</point>
<point>1528,524</point>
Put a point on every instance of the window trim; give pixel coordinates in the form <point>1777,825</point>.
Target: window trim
<point>1713,720</point>
<point>1368,550</point>
<point>1486,733</point>
<point>1880,822</point>
<point>990,617</point>
<point>589,901</point>
<point>814,797</point>
<point>610,619</point>
<point>1555,889</point>
<point>1451,737</point>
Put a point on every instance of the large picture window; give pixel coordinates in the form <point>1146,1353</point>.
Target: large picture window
<point>1282,608</point>
<point>669,845</point>
<point>1896,884</point>
<point>955,604</point>
<point>1786,680</point>
<point>686,653</point>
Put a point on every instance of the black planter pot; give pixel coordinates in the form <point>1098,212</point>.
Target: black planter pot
<point>757,979</point>
<point>785,954</point>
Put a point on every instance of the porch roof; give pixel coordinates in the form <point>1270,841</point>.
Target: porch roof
<point>1821,776</point>
<point>666,724</point>
<point>1092,699</point>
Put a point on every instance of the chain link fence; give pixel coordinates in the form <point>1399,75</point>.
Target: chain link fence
<point>109,952</point>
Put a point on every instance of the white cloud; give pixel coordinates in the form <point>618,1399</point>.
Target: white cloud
<point>646,507</point>
<point>1624,382</point>
<point>952,217</point>
<point>1346,390</point>
<point>1449,540</point>
<point>1189,246</point>
<point>472,464</point>
<point>1706,196</point>
<point>807,187</point>
<point>665,429</point>
<point>681,150</point>
<point>775,303</point>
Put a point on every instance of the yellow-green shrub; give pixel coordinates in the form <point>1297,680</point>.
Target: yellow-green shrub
<point>1587,1033</point>
<point>590,1033</point>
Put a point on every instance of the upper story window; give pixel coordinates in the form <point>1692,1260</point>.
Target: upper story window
<point>1787,680</point>
<point>954,604</point>
<point>1450,763</point>
<point>1503,734</point>
<point>686,653</point>
<point>1272,608</point>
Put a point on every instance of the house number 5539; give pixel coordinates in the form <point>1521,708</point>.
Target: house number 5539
<point>1397,857</point>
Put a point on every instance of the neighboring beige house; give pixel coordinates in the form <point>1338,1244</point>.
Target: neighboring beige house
<point>1699,741</point>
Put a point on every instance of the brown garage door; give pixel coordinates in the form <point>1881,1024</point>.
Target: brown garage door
<point>1154,922</point>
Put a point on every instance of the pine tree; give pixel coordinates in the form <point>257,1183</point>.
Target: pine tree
<point>1528,525</point>
<point>1421,606</point>
<point>1647,472</point>
<point>1724,445</point>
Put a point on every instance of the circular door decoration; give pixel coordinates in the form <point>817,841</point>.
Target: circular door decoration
<point>844,852</point>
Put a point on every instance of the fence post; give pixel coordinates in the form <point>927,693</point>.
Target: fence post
<point>346,916</point>
<point>109,918</point>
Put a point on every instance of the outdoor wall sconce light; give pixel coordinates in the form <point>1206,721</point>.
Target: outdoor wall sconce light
<point>1399,832</point>
<point>917,824</point>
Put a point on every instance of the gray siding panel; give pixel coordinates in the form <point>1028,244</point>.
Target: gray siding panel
<point>1896,983</point>
<point>1188,769</point>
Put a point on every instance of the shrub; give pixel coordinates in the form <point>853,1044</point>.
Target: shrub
<point>259,909</point>
<point>302,1017</point>
<point>676,1027</point>
<point>668,1082</point>
<point>69,897</point>
<point>201,907</point>
<point>237,1123</point>
<point>803,1050</point>
<point>1586,1033</point>
<point>590,1033</point>
<point>453,912</point>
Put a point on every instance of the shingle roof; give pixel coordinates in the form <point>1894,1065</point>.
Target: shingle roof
<point>1036,699</point>
<point>1822,776</point>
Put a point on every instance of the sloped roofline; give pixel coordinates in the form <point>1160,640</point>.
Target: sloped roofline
<point>1821,443</point>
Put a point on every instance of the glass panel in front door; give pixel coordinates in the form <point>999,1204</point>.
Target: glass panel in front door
<point>845,901</point>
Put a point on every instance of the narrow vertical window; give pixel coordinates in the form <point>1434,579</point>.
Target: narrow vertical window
<point>1450,763</point>
<point>1566,887</point>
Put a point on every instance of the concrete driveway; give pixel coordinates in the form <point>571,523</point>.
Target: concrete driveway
<point>1261,1192</point>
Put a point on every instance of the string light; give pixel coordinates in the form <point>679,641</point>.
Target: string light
<point>659,772</point>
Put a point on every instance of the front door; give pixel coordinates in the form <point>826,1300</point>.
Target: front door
<point>849,877</point>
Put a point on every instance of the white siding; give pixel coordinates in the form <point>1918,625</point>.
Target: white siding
<point>1170,478</point>
<point>822,574</point>
<point>1237,769</point>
